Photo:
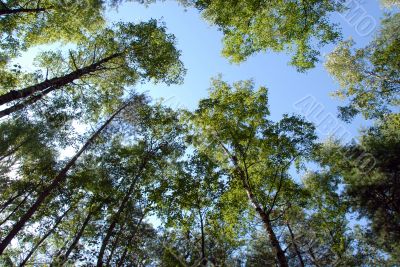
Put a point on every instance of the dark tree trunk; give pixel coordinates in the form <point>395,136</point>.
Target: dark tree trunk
<point>314,259</point>
<point>77,238</point>
<point>13,150</point>
<point>203,241</point>
<point>56,82</point>
<point>7,11</point>
<point>114,245</point>
<point>296,248</point>
<point>10,201</point>
<point>33,99</point>
<point>131,239</point>
<point>54,185</point>
<point>120,210</point>
<point>122,259</point>
<point>14,210</point>
<point>58,221</point>
<point>280,254</point>
<point>114,222</point>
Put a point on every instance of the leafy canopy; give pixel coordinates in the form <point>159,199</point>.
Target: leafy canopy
<point>252,26</point>
<point>369,77</point>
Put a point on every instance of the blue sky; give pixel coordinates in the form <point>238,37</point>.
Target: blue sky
<point>201,47</point>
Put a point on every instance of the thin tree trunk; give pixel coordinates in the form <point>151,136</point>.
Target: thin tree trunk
<point>280,254</point>
<point>314,260</point>
<point>114,245</point>
<point>4,12</point>
<point>33,99</point>
<point>10,201</point>
<point>203,242</point>
<point>114,223</point>
<point>132,237</point>
<point>58,221</point>
<point>122,259</point>
<point>61,177</point>
<point>12,151</point>
<point>296,248</point>
<point>77,238</point>
<point>56,82</point>
<point>120,209</point>
<point>14,210</point>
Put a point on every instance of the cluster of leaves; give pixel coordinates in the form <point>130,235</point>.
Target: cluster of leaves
<point>254,26</point>
<point>369,77</point>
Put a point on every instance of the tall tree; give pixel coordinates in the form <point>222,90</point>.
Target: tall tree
<point>232,127</point>
<point>370,174</point>
<point>130,53</point>
<point>59,179</point>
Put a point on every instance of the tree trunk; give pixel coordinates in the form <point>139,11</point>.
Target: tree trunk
<point>58,221</point>
<point>296,248</point>
<point>131,238</point>
<point>280,254</point>
<point>7,11</point>
<point>13,150</point>
<point>122,259</point>
<point>314,259</point>
<point>56,82</point>
<point>14,210</point>
<point>203,241</point>
<point>33,99</point>
<point>114,222</point>
<point>61,177</point>
<point>114,245</point>
<point>10,201</point>
<point>77,237</point>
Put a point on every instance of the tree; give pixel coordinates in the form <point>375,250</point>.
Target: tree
<point>24,24</point>
<point>369,77</point>
<point>133,52</point>
<point>57,181</point>
<point>256,26</point>
<point>232,128</point>
<point>390,3</point>
<point>370,172</point>
<point>194,233</point>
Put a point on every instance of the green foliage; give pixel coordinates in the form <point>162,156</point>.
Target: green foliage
<point>140,52</point>
<point>253,26</point>
<point>48,21</point>
<point>370,173</point>
<point>369,77</point>
<point>221,180</point>
<point>390,3</point>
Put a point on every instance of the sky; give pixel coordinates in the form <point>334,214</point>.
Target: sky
<point>289,90</point>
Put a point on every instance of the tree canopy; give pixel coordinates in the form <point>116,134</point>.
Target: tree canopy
<point>95,173</point>
<point>255,26</point>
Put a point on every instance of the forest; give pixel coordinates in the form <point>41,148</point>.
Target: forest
<point>94,172</point>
